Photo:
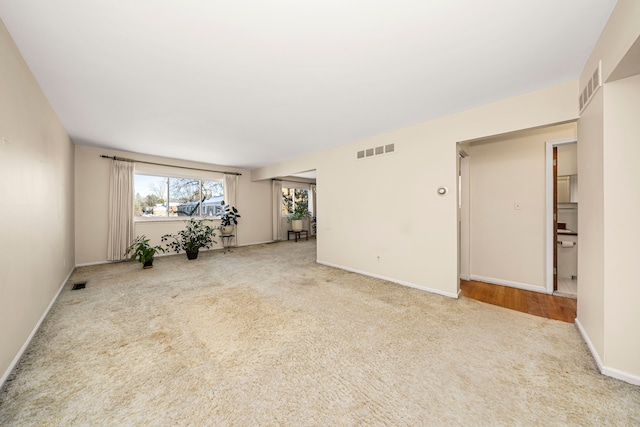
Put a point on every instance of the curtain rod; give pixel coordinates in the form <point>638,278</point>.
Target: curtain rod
<point>122,159</point>
<point>289,180</point>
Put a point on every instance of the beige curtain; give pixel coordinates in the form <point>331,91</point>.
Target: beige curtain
<point>276,187</point>
<point>121,189</point>
<point>230,196</point>
<point>230,189</point>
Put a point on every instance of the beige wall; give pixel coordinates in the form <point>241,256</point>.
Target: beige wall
<point>36,180</point>
<point>622,224</point>
<point>590,219</point>
<point>607,299</point>
<point>92,201</point>
<point>382,216</point>
<point>568,159</point>
<point>508,244</point>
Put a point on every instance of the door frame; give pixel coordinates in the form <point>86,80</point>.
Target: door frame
<point>462,201</point>
<point>549,231</point>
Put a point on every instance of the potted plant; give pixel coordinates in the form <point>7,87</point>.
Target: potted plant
<point>299,213</point>
<point>196,234</point>
<point>142,251</point>
<point>228,217</point>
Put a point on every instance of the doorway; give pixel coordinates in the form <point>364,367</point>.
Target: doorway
<point>561,218</point>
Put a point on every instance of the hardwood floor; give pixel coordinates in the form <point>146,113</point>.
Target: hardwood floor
<point>536,303</point>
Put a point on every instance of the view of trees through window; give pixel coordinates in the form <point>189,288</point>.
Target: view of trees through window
<point>291,197</point>
<point>161,196</point>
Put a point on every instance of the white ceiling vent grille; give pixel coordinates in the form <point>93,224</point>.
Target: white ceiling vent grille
<point>592,86</point>
<point>376,151</point>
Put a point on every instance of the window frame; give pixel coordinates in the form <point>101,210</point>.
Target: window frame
<point>167,178</point>
<point>296,186</point>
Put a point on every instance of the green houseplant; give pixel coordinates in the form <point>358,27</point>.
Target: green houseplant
<point>196,234</point>
<point>228,216</point>
<point>142,251</point>
<point>299,213</point>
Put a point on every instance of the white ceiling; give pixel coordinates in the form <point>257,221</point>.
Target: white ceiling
<point>254,82</point>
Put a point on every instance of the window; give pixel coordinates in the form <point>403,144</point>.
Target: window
<point>292,197</point>
<point>167,197</point>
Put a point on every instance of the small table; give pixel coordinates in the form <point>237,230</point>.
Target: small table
<point>227,241</point>
<point>297,234</point>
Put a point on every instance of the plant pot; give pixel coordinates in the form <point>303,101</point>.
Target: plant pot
<point>147,264</point>
<point>192,255</point>
<point>296,224</point>
<point>226,230</point>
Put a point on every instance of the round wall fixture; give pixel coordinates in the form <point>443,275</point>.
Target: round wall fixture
<point>442,191</point>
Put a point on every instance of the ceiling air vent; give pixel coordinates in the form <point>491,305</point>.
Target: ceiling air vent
<point>590,88</point>
<point>376,151</point>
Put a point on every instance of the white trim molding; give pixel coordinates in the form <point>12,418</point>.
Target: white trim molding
<point>519,285</point>
<point>605,370</point>
<point>88,264</point>
<point>388,279</point>
<point>215,248</point>
<point>266,242</point>
<point>18,356</point>
<point>590,345</point>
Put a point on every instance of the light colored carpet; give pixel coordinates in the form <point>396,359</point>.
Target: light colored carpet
<point>265,336</point>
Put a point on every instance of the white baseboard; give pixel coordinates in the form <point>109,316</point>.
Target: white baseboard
<point>605,370</point>
<point>159,255</point>
<point>258,243</point>
<point>389,279</point>
<point>18,356</point>
<point>525,286</point>
<point>590,345</point>
<point>621,375</point>
<point>87,264</point>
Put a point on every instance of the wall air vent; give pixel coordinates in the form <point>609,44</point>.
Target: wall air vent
<point>376,151</point>
<point>590,89</point>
